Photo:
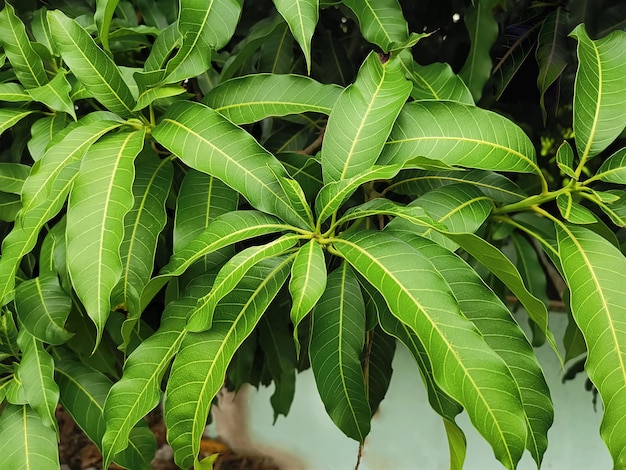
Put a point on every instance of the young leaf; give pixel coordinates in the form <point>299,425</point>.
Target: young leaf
<point>200,365</point>
<point>252,98</point>
<point>25,441</point>
<point>381,22</point>
<point>572,211</point>
<point>595,272</point>
<point>206,141</point>
<point>103,16</point>
<point>463,364</point>
<point>25,62</point>
<point>337,340</point>
<point>13,92</point>
<point>565,159</point>
<point>362,117</point>
<point>301,15</point>
<point>91,65</point>
<point>599,116</point>
<point>307,283</point>
<point>101,196</point>
<point>458,134</point>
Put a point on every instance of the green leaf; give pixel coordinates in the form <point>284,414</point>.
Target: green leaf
<point>10,117</point>
<point>599,116</point>
<point>362,117</point>
<point>83,394</point>
<point>302,16</point>
<point>206,141</point>
<point>201,318</point>
<point>377,365</point>
<point>200,365</point>
<point>613,169</point>
<point>572,211</point>
<point>10,206</point>
<point>91,65</point>
<point>252,98</point>
<point>42,307</point>
<point>13,92</point>
<point>147,97</point>
<point>565,159</point>
<point>142,226</point>
<point>41,30</point>
<point>307,283</point>
<point>483,30</point>
<point>25,62</point>
<point>12,177</point>
<point>277,52</point>
<point>55,94</point>
<point>36,374</point>
<point>139,389</point>
<point>26,443</point>
<point>101,196</point>
<point>381,22</point>
<point>43,131</point>
<point>520,48</point>
<point>337,340</point>
<point>595,272</point>
<point>459,134</point>
<point>434,81</point>
<point>162,49</point>
<point>459,207</point>
<point>552,52</point>
<point>103,16</point>
<point>463,364</point>
<point>306,170</point>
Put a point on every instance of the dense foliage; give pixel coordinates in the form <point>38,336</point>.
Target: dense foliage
<point>196,193</point>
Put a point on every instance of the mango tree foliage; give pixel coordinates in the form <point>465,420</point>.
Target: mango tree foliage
<point>205,194</point>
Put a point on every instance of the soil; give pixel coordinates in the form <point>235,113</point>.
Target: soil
<point>77,452</point>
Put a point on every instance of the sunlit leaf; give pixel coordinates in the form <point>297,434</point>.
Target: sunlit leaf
<point>381,21</point>
<point>301,15</point>
<point>55,95</point>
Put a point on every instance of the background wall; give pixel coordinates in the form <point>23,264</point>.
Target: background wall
<point>406,433</point>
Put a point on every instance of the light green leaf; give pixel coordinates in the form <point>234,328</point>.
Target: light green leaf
<point>482,26</point>
<point>41,30</point>
<point>599,116</point>
<point>459,134</point>
<point>147,97</point>
<point>565,159</point>
<point>200,365</point>
<point>103,16</point>
<point>90,65</point>
<point>25,62</point>
<point>595,272</point>
<point>302,16</point>
<point>13,92</point>
<point>162,49</point>
<point>10,117</point>
<point>463,364</point>
<point>337,340</point>
<point>139,389</point>
<point>381,21</point>
<point>42,307</point>
<point>613,169</point>
<point>12,177</point>
<point>55,94</point>
<point>307,283</point>
<point>10,206</point>
<point>101,196</point>
<point>206,141</point>
<point>201,318</point>
<point>296,198</point>
<point>248,99</point>
<point>572,211</point>
<point>43,131</point>
<point>26,443</point>
<point>36,374</point>
<point>83,394</point>
<point>362,117</point>
<point>306,170</point>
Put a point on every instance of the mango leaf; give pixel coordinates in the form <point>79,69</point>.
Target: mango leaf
<point>599,116</point>
<point>200,365</point>
<point>147,97</point>
<point>42,307</point>
<point>377,368</point>
<point>307,283</point>
<point>381,22</point>
<point>83,394</point>
<point>10,206</point>
<point>520,47</point>
<point>552,52</point>
<point>494,185</point>
<point>55,94</point>
<point>25,62</point>
<point>43,131</point>
<point>204,27</point>
<point>139,389</point>
<point>613,169</point>
<point>41,30</point>
<point>162,49</point>
<point>206,141</point>
<point>574,212</point>
<point>13,92</point>
<point>102,17</point>
<point>277,52</point>
<point>142,226</point>
<point>10,117</point>
<point>252,98</point>
<point>595,271</point>
<point>302,16</point>
<point>463,364</point>
<point>25,441</point>
<point>233,271</point>
<point>565,159</point>
<point>36,374</point>
<point>362,117</point>
<point>337,340</point>
<point>100,198</point>
<point>573,340</point>
<point>434,81</point>
<point>459,134</point>
<point>12,177</point>
<point>91,65</point>
<point>483,30</point>
<point>459,207</point>
<point>307,171</point>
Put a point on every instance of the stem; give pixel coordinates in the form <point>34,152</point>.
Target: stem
<point>537,200</point>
